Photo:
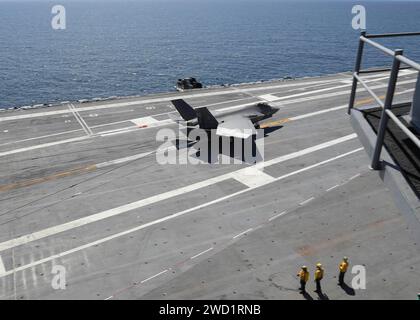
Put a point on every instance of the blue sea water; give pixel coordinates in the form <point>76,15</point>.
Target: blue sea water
<point>120,48</point>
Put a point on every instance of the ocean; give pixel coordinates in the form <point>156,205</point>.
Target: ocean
<point>124,48</point>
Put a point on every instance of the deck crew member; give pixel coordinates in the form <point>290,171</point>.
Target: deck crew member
<point>343,269</point>
<point>303,275</point>
<point>319,274</point>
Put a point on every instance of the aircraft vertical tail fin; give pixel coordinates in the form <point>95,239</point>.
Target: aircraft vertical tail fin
<point>205,119</point>
<point>185,110</point>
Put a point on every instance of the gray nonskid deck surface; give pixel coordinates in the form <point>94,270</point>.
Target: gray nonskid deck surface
<point>130,228</point>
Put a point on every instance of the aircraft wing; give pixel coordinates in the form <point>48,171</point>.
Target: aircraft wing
<point>236,126</point>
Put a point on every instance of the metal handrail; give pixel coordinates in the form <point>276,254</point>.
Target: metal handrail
<point>398,59</point>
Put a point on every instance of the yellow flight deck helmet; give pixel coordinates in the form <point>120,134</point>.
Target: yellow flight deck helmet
<point>345,259</point>
<point>304,267</point>
<point>319,265</point>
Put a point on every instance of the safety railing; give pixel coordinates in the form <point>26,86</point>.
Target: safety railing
<point>398,60</point>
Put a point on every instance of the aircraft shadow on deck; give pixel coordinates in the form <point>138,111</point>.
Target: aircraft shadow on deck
<point>256,156</point>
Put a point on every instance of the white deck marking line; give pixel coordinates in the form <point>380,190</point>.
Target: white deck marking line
<point>201,253</point>
<point>82,120</point>
<point>354,177</point>
<point>242,233</point>
<point>160,197</point>
<point>70,106</point>
<point>156,275</point>
<point>123,160</point>
<point>307,115</point>
<point>44,145</point>
<point>2,268</point>
<point>277,216</point>
<point>307,201</point>
<point>332,188</point>
<point>40,137</point>
<point>164,219</point>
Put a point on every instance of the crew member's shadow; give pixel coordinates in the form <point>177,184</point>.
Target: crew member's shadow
<point>322,296</point>
<point>349,290</point>
<point>307,296</point>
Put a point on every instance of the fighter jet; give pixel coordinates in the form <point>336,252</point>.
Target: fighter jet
<point>230,123</point>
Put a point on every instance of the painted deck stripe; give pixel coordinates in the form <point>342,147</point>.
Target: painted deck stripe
<point>201,253</point>
<point>307,115</point>
<point>332,188</point>
<point>242,233</point>
<point>156,275</point>
<point>277,216</point>
<point>44,145</point>
<point>354,177</point>
<point>164,219</point>
<point>306,201</point>
<point>123,160</point>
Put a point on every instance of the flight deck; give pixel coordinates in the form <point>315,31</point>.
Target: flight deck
<point>81,188</point>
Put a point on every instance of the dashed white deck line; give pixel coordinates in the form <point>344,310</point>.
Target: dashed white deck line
<point>277,216</point>
<point>12,243</point>
<point>306,201</point>
<point>123,160</point>
<point>332,188</point>
<point>156,275</point>
<point>2,268</point>
<point>243,233</point>
<point>354,177</point>
<point>201,253</point>
<point>163,196</point>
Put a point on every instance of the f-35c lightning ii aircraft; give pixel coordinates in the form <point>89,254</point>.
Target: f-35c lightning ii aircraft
<point>239,122</point>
